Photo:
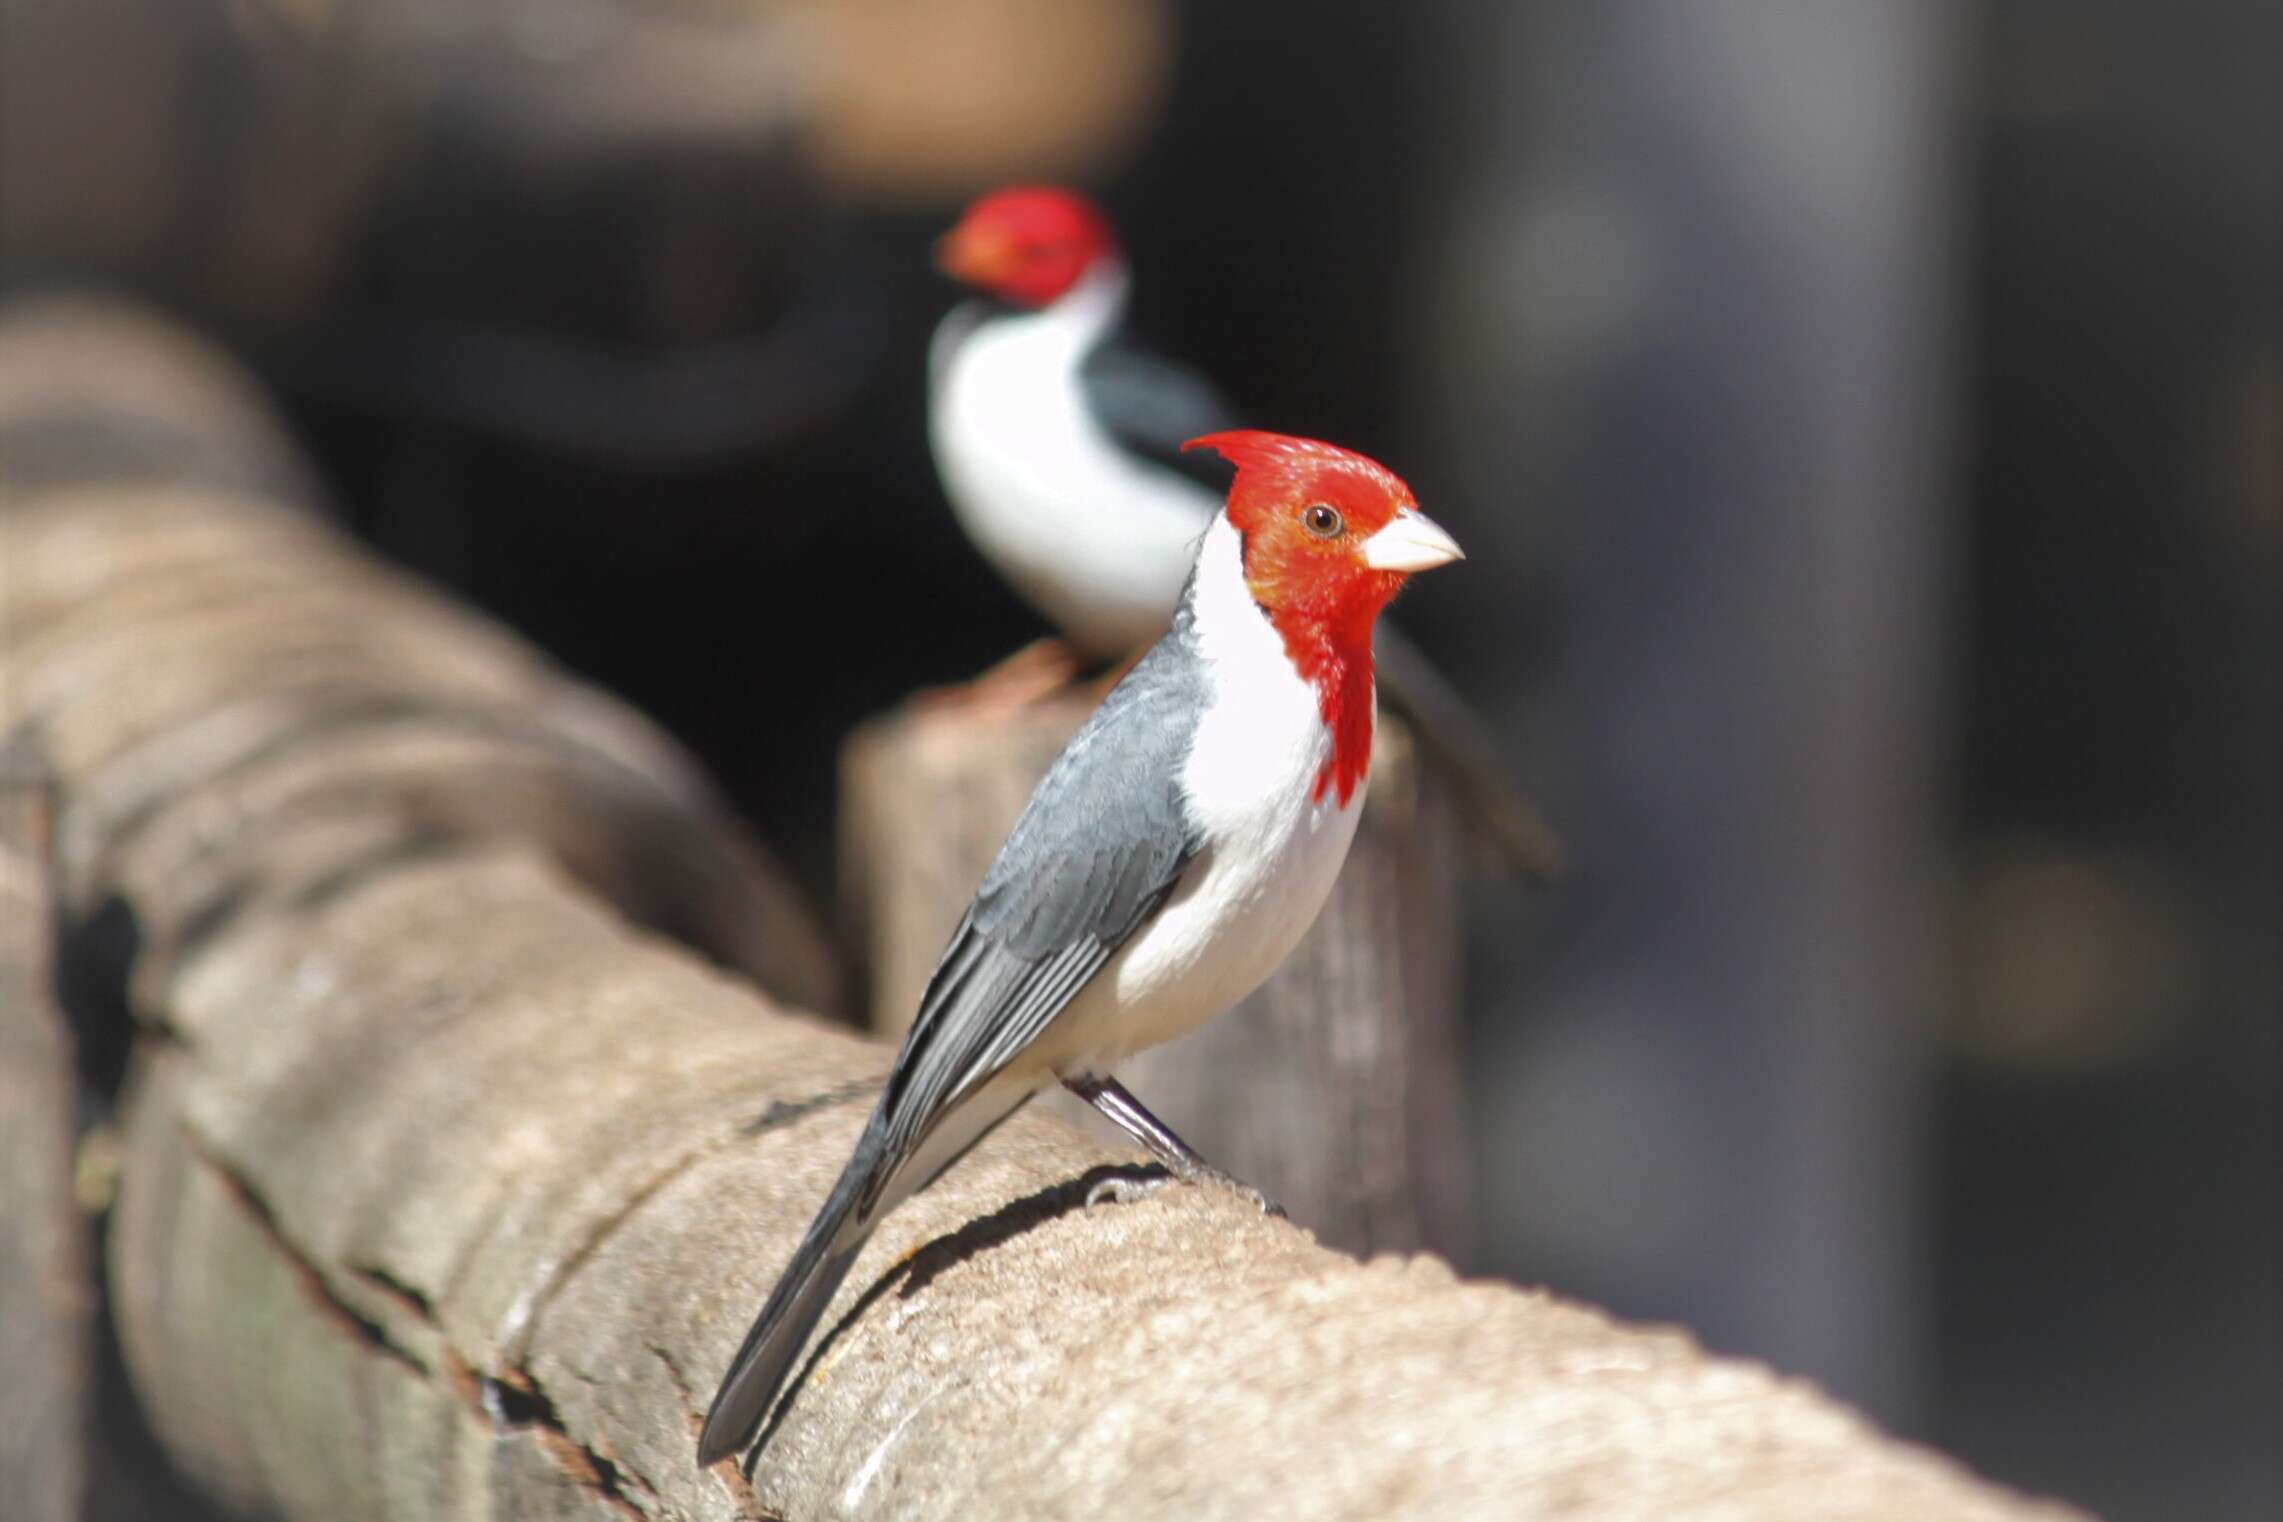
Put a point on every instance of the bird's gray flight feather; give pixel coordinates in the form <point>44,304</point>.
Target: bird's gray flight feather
<point>1101,845</point>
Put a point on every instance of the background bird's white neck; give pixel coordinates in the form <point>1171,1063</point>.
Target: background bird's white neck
<point>1093,306</point>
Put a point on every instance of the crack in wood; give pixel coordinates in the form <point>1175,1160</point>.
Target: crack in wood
<point>412,1300</point>
<point>326,706</point>
<point>568,1268</point>
<point>674,1373</point>
<point>419,845</point>
<point>240,1191</point>
<point>514,1403</point>
<point>517,1404</point>
<point>511,1404</point>
<point>364,717</point>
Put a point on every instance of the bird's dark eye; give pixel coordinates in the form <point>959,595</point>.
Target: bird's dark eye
<point>1322,521</point>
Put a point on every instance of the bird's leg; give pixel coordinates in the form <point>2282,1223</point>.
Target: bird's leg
<point>1111,1098</point>
<point>1037,671</point>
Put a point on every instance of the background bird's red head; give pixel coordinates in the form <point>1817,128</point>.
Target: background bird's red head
<point>1329,537</point>
<point>1026,243</point>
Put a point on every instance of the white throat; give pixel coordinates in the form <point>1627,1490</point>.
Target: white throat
<point>1264,722</point>
<point>1271,849</point>
<point>1090,309</point>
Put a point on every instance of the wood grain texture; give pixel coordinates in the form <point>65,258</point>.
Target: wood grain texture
<point>198,652</point>
<point>1334,1088</point>
<point>448,1187</point>
<point>45,1293</point>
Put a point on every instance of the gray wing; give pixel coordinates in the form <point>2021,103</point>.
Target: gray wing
<point>1152,406</point>
<point>1102,843</point>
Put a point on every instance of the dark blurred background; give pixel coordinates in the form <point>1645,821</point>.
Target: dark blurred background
<point>1863,418</point>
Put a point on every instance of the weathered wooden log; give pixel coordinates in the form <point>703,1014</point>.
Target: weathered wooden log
<point>1335,1088</point>
<point>197,653</point>
<point>45,1292</point>
<point>447,1191</point>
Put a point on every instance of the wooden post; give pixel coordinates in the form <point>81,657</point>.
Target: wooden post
<point>1335,1088</point>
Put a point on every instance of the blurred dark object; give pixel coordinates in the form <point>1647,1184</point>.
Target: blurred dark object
<point>2111,1174</point>
<point>624,171</point>
<point>1685,352</point>
<point>580,223</point>
<point>1885,399</point>
<point>597,226</point>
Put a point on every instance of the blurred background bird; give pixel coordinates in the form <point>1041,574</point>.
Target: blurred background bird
<point>1059,444</point>
<point>1172,856</point>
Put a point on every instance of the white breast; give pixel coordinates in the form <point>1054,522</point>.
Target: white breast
<point>1096,540</point>
<point>1271,853</point>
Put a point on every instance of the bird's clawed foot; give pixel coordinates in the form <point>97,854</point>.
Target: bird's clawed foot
<point>1031,675</point>
<point>1109,1097</point>
<point>1126,1188</point>
<point>1206,1175</point>
<point>1132,1188</point>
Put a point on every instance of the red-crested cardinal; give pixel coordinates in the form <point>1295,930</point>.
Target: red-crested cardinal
<point>1058,445</point>
<point>1173,855</point>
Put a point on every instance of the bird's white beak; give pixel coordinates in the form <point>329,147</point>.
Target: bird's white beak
<point>1411,542</point>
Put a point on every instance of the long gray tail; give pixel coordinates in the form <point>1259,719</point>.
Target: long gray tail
<point>1455,743</point>
<point>782,1329</point>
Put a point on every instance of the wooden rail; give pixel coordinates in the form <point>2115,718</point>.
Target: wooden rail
<point>448,1188</point>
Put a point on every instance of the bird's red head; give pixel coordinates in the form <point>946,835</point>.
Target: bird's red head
<point>1329,537</point>
<point>1026,243</point>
